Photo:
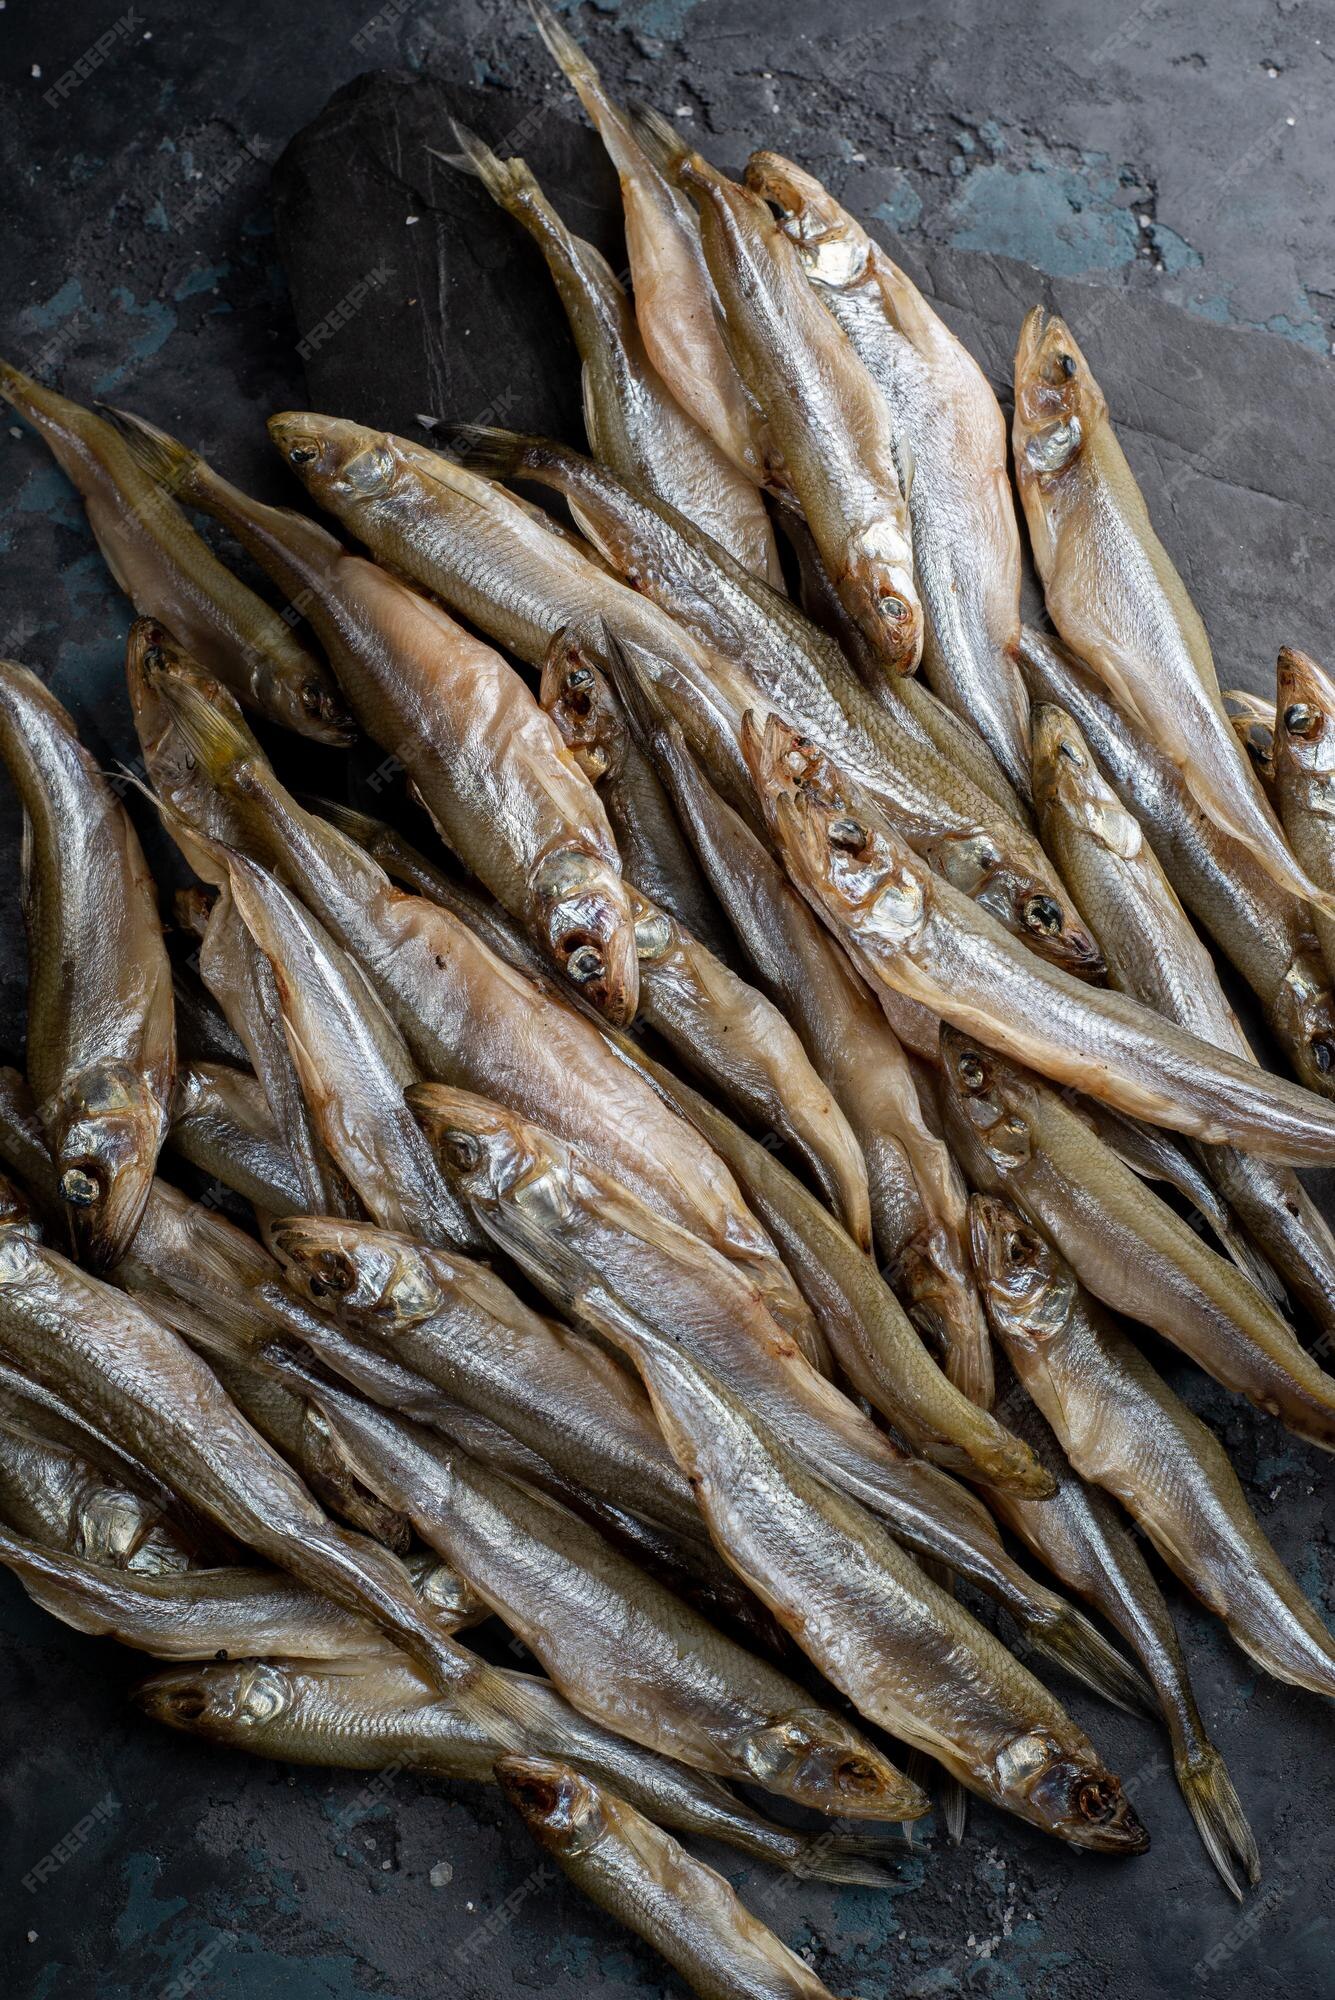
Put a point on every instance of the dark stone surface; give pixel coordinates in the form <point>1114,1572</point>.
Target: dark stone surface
<point>1148,151</point>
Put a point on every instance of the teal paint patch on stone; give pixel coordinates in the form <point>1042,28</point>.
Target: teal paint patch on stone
<point>143,1912</point>
<point>903,209</point>
<point>202,280</point>
<point>1060,219</point>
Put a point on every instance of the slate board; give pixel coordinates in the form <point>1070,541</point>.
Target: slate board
<point>1229,432</point>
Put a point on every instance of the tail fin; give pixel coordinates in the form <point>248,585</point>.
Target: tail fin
<point>1220,1820</point>
<point>509,182</point>
<point>567,54</point>
<point>1063,1634</point>
<point>659,137</point>
<point>173,464</point>
<point>212,727</point>
<point>493,453</point>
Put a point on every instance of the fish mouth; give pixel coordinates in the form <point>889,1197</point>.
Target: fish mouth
<point>1089,1809</point>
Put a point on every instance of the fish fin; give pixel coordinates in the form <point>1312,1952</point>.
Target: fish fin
<point>506,181</point>
<point>1066,1636</point>
<point>565,51</point>
<point>1220,1820</point>
<point>954,1808</point>
<point>212,728</point>
<point>161,456</point>
<point>636,692</point>
<point>659,137</point>
<point>830,1857</point>
<point>487,450</point>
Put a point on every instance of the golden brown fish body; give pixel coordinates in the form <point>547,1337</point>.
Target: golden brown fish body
<point>1114,595</point>
<point>675,305</point>
<point>1264,931</point>
<point>901,1648</point>
<point>101,1033</point>
<point>1019,1137</point>
<point>1153,954</point>
<point>1303,747</point>
<point>913,932</point>
<point>633,420</point>
<point>619,1647</point>
<point>830,434</point>
<point>639,1874</point>
<point>1122,1427</point>
<point>485,761</point>
<point>949,427</point>
<point>169,573</point>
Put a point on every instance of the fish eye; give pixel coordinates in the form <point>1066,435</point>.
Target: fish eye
<point>848,833</point>
<point>1301,719</point>
<point>1066,362</point>
<point>333,1273</point>
<point>1323,1053</point>
<point>1018,1247</point>
<point>1043,914</point>
<point>302,454</point>
<point>80,1187</point>
<point>464,1150</point>
<point>579,680</point>
<point>892,607</point>
<point>1097,1800</point>
<point>584,963</point>
<point>971,1071</point>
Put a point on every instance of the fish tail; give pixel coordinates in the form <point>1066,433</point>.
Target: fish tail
<point>1065,1635</point>
<point>501,1704</point>
<point>659,137</point>
<point>566,52</point>
<point>954,1807</point>
<point>1220,1820</point>
<point>494,453</point>
<point>29,398</point>
<point>856,1860</point>
<point>164,458</point>
<point>509,182</point>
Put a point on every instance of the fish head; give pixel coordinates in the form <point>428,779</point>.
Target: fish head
<point>582,912</point>
<point>219,1699</point>
<point>1304,716</point>
<point>196,742</point>
<point>1304,1011</point>
<point>807,1755</point>
<point>877,588</point>
<point>491,1156</point>
<point>833,247</point>
<point>1028,1288</point>
<point>1058,404</point>
<point>1032,907</point>
<point>838,847</point>
<point>990,1097</point>
<point>364,1276</point>
<point>339,463</point>
<point>105,1130</point>
<point>563,1809</point>
<point>1068,781</point>
<point>576,695</point>
<point>1067,1791</point>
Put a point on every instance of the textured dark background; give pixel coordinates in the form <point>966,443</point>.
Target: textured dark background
<point>1168,169</point>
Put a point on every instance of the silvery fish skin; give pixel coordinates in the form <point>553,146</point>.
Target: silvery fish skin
<point>967,822</point>
<point>486,762</point>
<point>101,1032</point>
<point>126,1371</point>
<point>911,931</point>
<point>632,418</point>
<point>463,1010</point>
<point>1084,1540</point>
<point>71,1505</point>
<point>730,1033</point>
<point>353,1064</point>
<point>1122,1427</point>
<point>214,1614</point>
<point>459,1327</point>
<point>618,1646</point>
<point>1266,933</point>
<point>916,1194</point>
<point>222,1124</point>
<point>675,302</point>
<point>948,424</point>
<point>830,437</point>
<point>1153,954</point>
<point>1016,1136</point>
<point>901,1648</point>
<point>645,1878</point>
<point>1304,768</point>
<point>168,572</point>
<point>543,1202</point>
<point>1114,595</point>
<point>379,1713</point>
<point>203,1033</point>
<point>655,853</point>
<point>1253,723</point>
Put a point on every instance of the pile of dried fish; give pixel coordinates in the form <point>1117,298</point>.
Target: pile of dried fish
<point>648,1193</point>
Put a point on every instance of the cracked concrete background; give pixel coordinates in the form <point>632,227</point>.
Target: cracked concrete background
<point>1144,149</point>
